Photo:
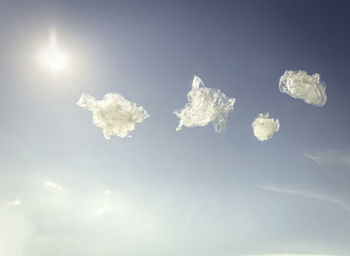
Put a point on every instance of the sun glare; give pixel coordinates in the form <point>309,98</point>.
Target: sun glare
<point>52,57</point>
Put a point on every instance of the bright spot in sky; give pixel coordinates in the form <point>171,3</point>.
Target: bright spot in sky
<point>16,202</point>
<point>52,57</point>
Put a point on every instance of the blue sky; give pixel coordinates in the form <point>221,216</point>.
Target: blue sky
<point>164,192</point>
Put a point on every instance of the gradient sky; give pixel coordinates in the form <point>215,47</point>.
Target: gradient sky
<point>162,192</point>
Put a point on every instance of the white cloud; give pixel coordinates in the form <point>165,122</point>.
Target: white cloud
<point>265,127</point>
<point>205,105</point>
<point>17,202</point>
<point>114,114</point>
<point>310,195</point>
<point>52,185</point>
<point>300,85</point>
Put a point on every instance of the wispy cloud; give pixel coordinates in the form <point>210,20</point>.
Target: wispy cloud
<point>331,159</point>
<point>17,202</point>
<point>53,185</point>
<point>310,195</point>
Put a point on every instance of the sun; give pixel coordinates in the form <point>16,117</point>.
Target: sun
<point>52,57</point>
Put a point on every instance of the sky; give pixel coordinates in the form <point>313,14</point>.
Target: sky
<point>65,190</point>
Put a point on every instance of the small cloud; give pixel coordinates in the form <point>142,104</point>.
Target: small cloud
<point>300,85</point>
<point>52,185</point>
<point>205,105</point>
<point>114,114</point>
<point>17,202</point>
<point>265,127</point>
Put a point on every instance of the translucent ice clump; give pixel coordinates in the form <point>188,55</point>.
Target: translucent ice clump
<point>300,85</point>
<point>205,105</point>
<point>114,114</point>
<point>265,127</point>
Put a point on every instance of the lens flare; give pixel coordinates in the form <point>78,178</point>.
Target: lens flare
<point>52,57</point>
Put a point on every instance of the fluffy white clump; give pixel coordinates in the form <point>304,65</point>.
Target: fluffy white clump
<point>300,85</point>
<point>114,114</point>
<point>205,105</point>
<point>264,127</point>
